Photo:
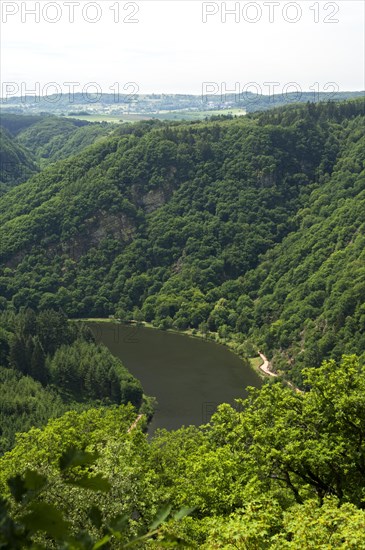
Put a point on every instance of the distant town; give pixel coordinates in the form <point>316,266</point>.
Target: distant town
<point>161,106</point>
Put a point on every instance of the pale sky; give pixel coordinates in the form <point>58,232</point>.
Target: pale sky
<point>165,47</point>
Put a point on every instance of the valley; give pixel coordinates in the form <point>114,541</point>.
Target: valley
<point>248,227</point>
<point>118,243</point>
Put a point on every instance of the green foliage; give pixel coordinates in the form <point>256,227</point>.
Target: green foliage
<point>38,517</point>
<point>248,230</point>
<point>17,164</point>
<point>250,226</point>
<point>88,371</point>
<point>330,525</point>
<point>281,470</point>
<point>50,366</point>
<point>308,526</point>
<point>15,123</point>
<point>51,500</point>
<point>25,403</point>
<point>53,138</point>
<point>29,143</point>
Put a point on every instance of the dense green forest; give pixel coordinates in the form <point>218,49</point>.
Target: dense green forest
<point>17,164</point>
<point>281,470</point>
<point>28,143</point>
<point>54,138</point>
<point>49,366</point>
<point>251,228</point>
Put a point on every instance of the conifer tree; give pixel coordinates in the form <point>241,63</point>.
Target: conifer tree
<point>38,363</point>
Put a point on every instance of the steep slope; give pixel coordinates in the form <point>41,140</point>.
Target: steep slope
<point>171,223</point>
<point>49,366</point>
<point>16,162</point>
<point>54,138</point>
<point>28,143</point>
<point>16,123</point>
<point>309,291</point>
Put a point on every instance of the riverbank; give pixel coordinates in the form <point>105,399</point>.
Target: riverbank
<point>255,363</point>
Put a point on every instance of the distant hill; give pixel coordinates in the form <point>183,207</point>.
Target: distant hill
<point>53,138</point>
<point>252,228</point>
<point>30,142</point>
<point>163,106</point>
<point>16,123</point>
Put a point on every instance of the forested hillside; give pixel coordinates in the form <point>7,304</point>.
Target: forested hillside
<point>50,138</point>
<point>283,470</point>
<point>49,366</point>
<point>55,138</point>
<point>247,230</point>
<point>17,163</point>
<point>251,227</point>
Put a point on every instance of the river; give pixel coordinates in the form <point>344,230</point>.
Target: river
<point>188,376</point>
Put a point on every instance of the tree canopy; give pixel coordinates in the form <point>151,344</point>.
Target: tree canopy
<point>280,470</point>
<point>250,227</point>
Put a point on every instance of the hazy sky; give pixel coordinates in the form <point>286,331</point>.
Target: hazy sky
<point>165,46</point>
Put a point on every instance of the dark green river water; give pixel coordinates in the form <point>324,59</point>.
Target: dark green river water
<point>188,376</point>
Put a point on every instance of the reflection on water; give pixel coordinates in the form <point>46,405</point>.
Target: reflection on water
<point>188,376</point>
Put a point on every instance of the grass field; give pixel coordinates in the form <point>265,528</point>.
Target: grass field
<point>165,115</point>
<point>196,115</point>
<point>117,119</point>
<point>256,362</point>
